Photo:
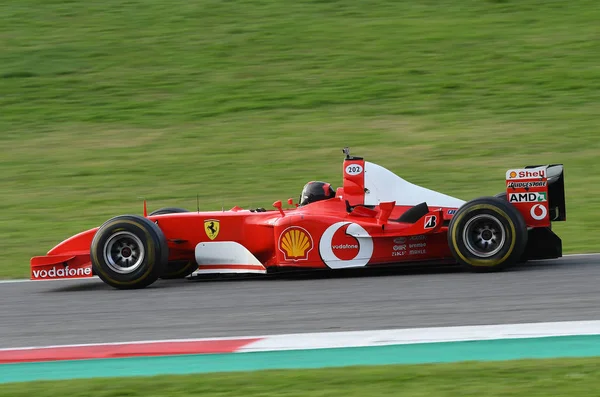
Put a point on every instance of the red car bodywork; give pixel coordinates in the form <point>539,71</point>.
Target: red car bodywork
<point>358,227</point>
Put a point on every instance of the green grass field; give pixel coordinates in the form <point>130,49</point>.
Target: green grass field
<point>242,102</point>
<point>527,378</point>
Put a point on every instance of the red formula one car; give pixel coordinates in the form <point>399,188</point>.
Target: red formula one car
<point>376,218</point>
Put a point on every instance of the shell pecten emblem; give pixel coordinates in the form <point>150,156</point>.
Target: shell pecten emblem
<point>295,243</point>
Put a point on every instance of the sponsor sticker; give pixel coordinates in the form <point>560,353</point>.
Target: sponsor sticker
<point>452,212</point>
<point>526,185</point>
<point>538,212</point>
<point>212,227</point>
<point>527,197</point>
<point>526,173</point>
<point>354,169</point>
<point>399,250</point>
<point>430,221</point>
<point>345,247</point>
<point>63,272</point>
<point>417,245</point>
<point>295,243</point>
<point>340,249</point>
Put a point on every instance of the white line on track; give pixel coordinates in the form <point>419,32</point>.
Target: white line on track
<point>402,336</point>
<point>328,340</point>
<point>24,280</point>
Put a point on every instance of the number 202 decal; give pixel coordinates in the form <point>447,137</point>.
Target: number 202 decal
<point>354,169</point>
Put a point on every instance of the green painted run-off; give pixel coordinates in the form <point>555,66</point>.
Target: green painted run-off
<point>489,350</point>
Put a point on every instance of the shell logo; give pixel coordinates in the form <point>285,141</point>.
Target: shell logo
<point>513,174</point>
<point>295,243</point>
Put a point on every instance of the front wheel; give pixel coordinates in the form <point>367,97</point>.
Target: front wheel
<point>129,251</point>
<point>487,234</point>
<point>176,269</point>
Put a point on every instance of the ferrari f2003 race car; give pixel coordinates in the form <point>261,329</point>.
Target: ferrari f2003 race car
<point>376,218</point>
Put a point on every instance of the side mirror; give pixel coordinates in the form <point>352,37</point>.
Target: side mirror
<point>291,202</point>
<point>277,204</point>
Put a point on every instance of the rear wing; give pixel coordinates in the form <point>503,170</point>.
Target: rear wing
<point>538,192</point>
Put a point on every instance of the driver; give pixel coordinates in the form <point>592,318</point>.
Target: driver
<point>316,191</point>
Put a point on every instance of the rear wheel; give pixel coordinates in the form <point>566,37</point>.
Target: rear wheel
<point>176,269</point>
<point>487,234</point>
<point>501,195</point>
<point>128,252</point>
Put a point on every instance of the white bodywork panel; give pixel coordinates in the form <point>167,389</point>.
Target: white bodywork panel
<point>226,257</point>
<point>383,186</point>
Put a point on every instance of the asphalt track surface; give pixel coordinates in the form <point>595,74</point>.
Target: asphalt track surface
<point>87,311</point>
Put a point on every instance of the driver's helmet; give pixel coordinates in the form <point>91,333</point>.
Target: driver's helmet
<point>316,191</point>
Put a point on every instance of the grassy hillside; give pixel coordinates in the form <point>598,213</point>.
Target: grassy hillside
<point>242,102</point>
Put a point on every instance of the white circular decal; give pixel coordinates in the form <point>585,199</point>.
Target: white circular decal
<point>354,169</point>
<point>536,216</point>
<point>364,245</point>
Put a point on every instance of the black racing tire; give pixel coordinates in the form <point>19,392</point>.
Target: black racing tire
<point>168,210</point>
<point>487,234</point>
<point>501,195</point>
<point>125,239</point>
<point>176,269</point>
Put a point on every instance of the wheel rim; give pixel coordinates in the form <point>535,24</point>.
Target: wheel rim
<point>484,235</point>
<point>124,252</point>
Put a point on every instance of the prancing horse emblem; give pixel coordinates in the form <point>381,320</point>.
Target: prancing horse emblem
<point>211,227</point>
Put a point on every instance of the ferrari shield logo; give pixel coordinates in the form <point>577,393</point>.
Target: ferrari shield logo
<point>211,227</point>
